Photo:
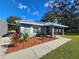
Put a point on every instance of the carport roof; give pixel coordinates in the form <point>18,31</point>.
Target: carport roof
<point>42,23</point>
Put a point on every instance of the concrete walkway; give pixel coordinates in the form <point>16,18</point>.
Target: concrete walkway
<point>3,46</point>
<point>37,51</point>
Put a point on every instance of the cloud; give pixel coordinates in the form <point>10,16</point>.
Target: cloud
<point>26,8</point>
<point>46,4</point>
<point>51,1</point>
<point>51,4</point>
<point>19,4</point>
<point>56,4</point>
<point>22,6</point>
<point>35,13</point>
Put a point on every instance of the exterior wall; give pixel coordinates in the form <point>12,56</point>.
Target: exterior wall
<point>3,28</point>
<point>29,29</point>
<point>42,30</point>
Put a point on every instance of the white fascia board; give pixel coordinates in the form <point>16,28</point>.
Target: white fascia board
<point>43,24</point>
<point>31,23</point>
<point>59,25</point>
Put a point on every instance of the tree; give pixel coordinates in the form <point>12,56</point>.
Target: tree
<point>13,19</point>
<point>64,12</point>
<point>12,24</point>
<point>49,16</point>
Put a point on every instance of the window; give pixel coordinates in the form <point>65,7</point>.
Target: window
<point>35,29</point>
<point>27,29</point>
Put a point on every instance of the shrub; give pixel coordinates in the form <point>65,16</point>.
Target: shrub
<point>25,36</point>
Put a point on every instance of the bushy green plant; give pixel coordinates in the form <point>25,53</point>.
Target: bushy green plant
<point>25,36</point>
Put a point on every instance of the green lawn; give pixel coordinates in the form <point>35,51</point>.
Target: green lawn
<point>69,50</point>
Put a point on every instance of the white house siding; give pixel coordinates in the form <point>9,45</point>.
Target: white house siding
<point>3,28</point>
<point>29,29</point>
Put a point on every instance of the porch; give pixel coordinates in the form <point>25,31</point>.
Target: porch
<point>51,31</point>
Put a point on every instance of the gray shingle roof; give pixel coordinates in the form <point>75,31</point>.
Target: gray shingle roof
<point>42,23</point>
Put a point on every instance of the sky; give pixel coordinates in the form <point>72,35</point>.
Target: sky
<point>26,9</point>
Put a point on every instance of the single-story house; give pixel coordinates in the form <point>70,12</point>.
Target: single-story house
<point>3,27</point>
<point>41,28</point>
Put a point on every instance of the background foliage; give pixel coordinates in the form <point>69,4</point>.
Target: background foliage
<point>64,12</point>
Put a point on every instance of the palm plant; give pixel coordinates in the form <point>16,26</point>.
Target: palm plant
<point>25,36</point>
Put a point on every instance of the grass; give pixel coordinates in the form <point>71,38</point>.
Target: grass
<point>69,50</point>
<point>74,37</point>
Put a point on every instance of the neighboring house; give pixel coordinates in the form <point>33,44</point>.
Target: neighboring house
<point>41,28</point>
<point>3,27</point>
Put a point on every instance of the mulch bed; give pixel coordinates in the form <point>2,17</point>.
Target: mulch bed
<point>30,42</point>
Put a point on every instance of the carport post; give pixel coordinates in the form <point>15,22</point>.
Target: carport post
<point>62,31</point>
<point>53,32</point>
